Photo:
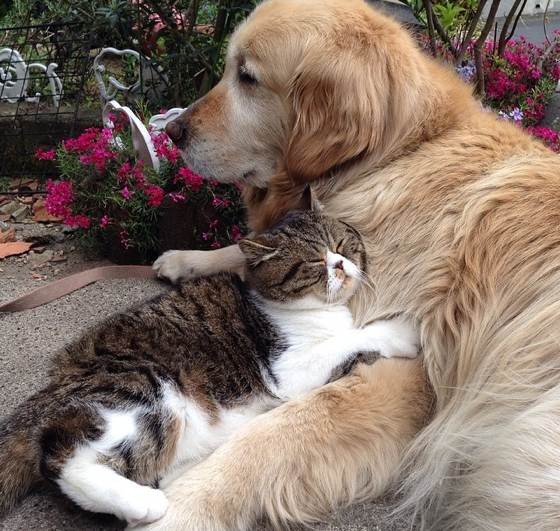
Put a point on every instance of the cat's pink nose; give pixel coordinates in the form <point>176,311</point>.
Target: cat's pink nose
<point>339,265</point>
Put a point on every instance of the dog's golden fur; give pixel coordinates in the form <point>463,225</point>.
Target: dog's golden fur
<point>461,215</point>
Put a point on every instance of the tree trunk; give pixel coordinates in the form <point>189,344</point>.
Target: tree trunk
<point>430,19</point>
<point>503,39</point>
<point>480,88</point>
<point>470,32</point>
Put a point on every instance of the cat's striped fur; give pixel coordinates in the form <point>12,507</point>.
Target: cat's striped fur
<point>165,383</point>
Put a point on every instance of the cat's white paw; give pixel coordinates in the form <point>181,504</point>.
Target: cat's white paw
<point>146,506</point>
<point>177,265</point>
<point>393,338</point>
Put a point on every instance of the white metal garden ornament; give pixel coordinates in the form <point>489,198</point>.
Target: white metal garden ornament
<point>15,75</point>
<point>141,138</point>
<point>146,72</point>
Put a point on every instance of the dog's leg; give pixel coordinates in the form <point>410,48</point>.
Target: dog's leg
<point>296,463</point>
<point>183,265</point>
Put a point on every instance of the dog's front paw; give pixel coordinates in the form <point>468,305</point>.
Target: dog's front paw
<point>176,265</point>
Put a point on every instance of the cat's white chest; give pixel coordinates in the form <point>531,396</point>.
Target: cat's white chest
<point>314,340</point>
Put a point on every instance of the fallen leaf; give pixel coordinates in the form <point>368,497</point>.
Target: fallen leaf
<point>8,235</point>
<point>40,213</point>
<point>13,248</point>
<point>36,276</point>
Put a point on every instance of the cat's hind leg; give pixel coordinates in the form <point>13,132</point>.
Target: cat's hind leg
<point>76,451</point>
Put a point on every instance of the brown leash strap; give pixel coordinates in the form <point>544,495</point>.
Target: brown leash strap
<point>63,286</point>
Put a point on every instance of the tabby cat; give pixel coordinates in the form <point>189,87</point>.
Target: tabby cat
<point>165,383</point>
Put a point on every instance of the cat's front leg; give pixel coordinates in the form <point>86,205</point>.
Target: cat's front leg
<point>186,265</point>
<point>396,337</point>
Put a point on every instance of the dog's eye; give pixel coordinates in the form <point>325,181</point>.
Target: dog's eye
<point>246,77</point>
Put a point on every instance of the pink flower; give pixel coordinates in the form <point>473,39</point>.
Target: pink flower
<point>104,221</point>
<point>165,149</point>
<point>556,71</point>
<point>236,233</point>
<point>98,158</point>
<point>218,202</point>
<point>155,195</point>
<point>206,236</point>
<point>129,173</point>
<point>59,197</point>
<point>190,178</point>
<point>93,146</point>
<point>549,136</point>
<point>123,236</point>
<point>138,173</point>
<point>126,193</point>
<point>42,154</point>
<point>79,221</point>
<point>82,143</point>
<point>177,197</point>
<point>117,121</point>
<point>124,172</point>
<point>215,244</point>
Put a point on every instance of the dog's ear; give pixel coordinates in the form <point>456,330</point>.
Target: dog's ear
<point>267,206</point>
<point>347,102</point>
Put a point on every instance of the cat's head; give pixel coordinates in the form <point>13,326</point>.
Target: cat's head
<point>306,255</point>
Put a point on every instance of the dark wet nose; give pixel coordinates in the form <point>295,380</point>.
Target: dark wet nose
<point>177,131</point>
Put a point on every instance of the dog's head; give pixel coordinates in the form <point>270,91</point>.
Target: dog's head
<point>309,85</point>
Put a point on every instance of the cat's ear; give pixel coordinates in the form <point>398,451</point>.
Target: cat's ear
<point>256,252</point>
<point>309,201</point>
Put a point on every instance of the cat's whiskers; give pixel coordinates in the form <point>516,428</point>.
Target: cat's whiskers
<point>367,281</point>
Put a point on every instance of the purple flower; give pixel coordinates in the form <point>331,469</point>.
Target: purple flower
<point>516,114</point>
<point>467,71</point>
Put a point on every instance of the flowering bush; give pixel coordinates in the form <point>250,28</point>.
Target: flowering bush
<point>522,81</point>
<point>112,197</point>
<point>549,136</point>
<point>519,84</point>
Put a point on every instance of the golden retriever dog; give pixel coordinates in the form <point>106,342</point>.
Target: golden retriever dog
<point>461,216</point>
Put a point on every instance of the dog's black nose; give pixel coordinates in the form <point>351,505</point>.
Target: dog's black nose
<point>177,131</point>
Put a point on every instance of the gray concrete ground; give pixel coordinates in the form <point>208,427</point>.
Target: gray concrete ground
<point>28,341</point>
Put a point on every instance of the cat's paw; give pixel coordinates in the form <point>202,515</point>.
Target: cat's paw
<point>393,338</point>
<point>179,265</point>
<point>146,506</point>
